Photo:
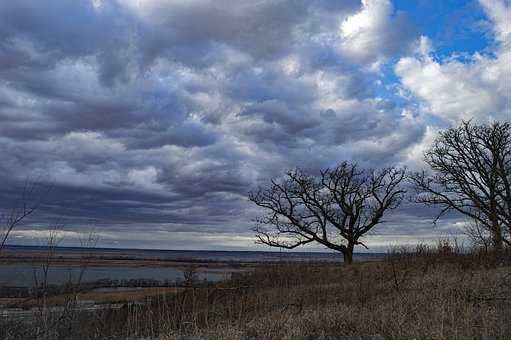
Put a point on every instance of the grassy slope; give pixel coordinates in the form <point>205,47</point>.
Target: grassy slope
<point>433,296</point>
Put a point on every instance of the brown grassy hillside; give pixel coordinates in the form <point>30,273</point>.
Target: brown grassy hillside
<point>430,295</point>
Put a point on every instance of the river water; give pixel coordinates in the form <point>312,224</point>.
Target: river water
<point>24,274</point>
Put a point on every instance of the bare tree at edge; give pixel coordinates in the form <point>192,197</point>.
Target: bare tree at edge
<point>471,174</point>
<point>334,209</point>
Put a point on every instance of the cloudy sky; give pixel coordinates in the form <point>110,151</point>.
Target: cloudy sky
<point>154,118</point>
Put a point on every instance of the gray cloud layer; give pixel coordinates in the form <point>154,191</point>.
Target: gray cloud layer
<point>156,117</point>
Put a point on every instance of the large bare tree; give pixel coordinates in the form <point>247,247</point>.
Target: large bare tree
<point>471,175</point>
<point>335,208</point>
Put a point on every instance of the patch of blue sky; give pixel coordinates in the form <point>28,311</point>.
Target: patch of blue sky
<point>457,28</point>
<point>388,87</point>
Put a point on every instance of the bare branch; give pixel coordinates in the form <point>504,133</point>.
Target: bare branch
<point>31,197</point>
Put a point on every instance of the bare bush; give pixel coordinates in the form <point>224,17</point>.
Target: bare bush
<point>190,275</point>
<point>478,236</point>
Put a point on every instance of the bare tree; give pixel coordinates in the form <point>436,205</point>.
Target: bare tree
<point>30,199</point>
<point>335,209</point>
<point>470,175</point>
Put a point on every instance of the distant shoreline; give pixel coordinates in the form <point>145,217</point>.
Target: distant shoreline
<point>98,257</point>
<point>275,252</point>
<point>18,265</point>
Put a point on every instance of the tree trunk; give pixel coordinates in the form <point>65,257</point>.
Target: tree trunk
<point>348,254</point>
<point>496,230</point>
<point>496,237</point>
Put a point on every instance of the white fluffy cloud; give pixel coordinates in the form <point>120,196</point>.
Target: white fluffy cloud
<point>499,11</point>
<point>456,89</point>
<point>374,33</point>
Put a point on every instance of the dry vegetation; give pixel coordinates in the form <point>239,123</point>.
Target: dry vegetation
<point>129,295</point>
<point>427,297</point>
<point>425,294</point>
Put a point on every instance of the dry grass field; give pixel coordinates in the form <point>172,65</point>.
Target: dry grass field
<point>433,297</point>
<point>425,294</point>
<point>100,297</point>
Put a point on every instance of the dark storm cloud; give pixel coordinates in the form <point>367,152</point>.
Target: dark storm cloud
<point>264,29</point>
<point>41,35</point>
<point>159,116</point>
<point>186,135</point>
<point>274,111</point>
